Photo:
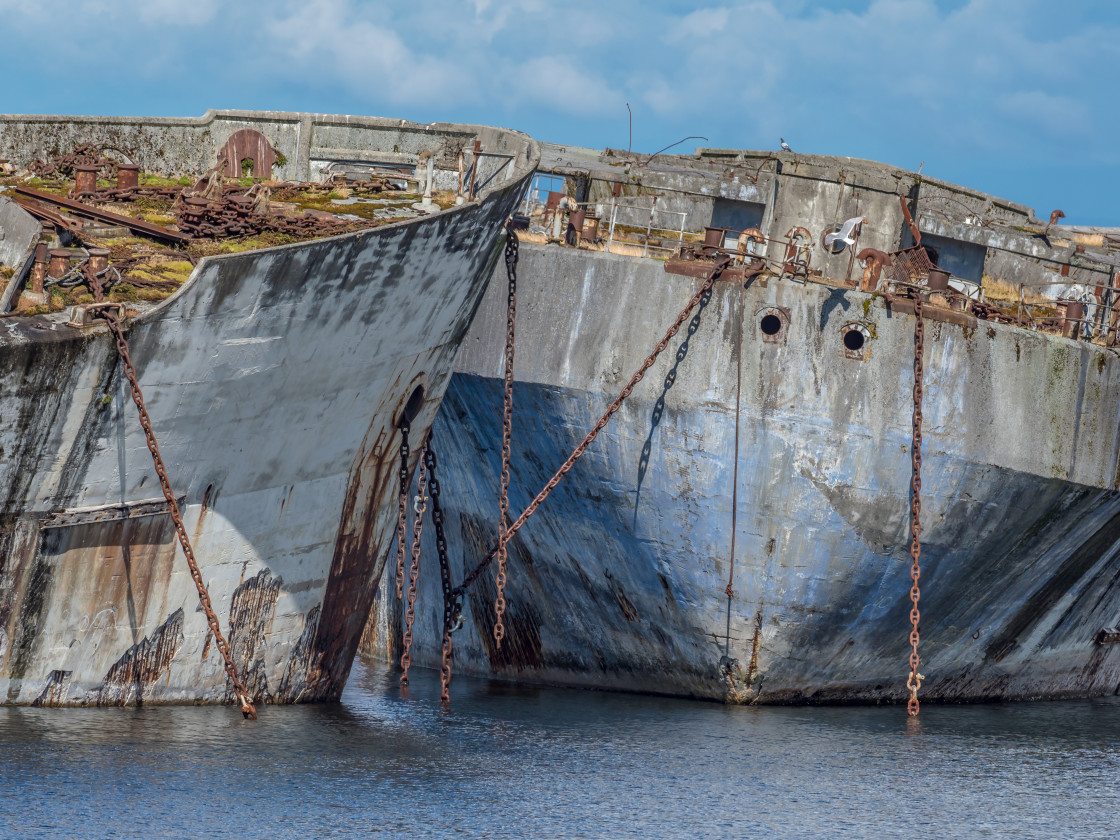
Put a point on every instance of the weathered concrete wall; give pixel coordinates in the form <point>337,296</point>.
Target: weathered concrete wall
<point>788,463</point>
<point>310,143</point>
<point>274,380</point>
<point>978,234</point>
<point>1020,256</point>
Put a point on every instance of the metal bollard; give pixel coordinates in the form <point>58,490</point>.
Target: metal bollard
<point>85,179</point>
<point>59,265</point>
<point>98,259</point>
<point>128,176</point>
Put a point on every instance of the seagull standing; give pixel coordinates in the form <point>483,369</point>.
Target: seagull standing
<point>785,145</point>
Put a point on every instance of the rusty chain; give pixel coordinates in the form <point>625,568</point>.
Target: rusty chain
<point>476,572</point>
<point>413,572</point>
<point>402,509</point>
<point>512,244</point>
<point>914,681</point>
<point>110,316</point>
<point>444,570</point>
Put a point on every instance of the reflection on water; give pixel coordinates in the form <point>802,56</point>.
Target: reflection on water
<point>517,762</point>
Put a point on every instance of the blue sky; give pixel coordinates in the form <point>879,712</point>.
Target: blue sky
<point>1015,97</point>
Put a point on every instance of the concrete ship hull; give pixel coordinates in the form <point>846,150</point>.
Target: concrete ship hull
<point>274,380</point>
<point>783,466</point>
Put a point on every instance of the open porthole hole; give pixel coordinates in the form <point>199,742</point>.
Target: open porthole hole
<point>412,407</point>
<point>853,340</point>
<point>770,324</point>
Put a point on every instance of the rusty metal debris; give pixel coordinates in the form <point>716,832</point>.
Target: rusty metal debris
<point>65,165</point>
<point>97,214</point>
<point>112,319</point>
<point>247,145</point>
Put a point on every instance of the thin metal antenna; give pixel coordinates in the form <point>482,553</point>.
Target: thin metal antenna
<point>630,145</point>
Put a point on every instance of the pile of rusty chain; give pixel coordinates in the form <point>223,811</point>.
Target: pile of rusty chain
<point>106,195</point>
<point>512,245</point>
<point>233,215</point>
<point>294,189</point>
<point>914,681</point>
<point>413,572</point>
<point>402,509</point>
<point>79,274</point>
<point>476,572</point>
<point>110,316</point>
<point>444,571</point>
<point>63,166</point>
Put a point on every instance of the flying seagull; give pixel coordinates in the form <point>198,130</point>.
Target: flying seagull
<point>844,234</point>
<point>785,145</point>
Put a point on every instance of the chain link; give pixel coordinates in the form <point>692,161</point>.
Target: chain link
<point>512,246</point>
<point>914,681</point>
<point>247,708</point>
<point>402,509</point>
<point>444,570</point>
<point>476,572</point>
<point>413,572</point>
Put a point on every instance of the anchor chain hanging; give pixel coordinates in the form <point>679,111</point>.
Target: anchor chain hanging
<point>110,317</point>
<point>476,572</point>
<point>914,681</point>
<point>402,509</point>
<point>512,245</point>
<point>413,573</point>
<point>444,571</point>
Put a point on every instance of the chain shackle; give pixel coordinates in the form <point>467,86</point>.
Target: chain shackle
<point>512,248</point>
<point>239,691</point>
<point>914,681</point>
<point>413,573</point>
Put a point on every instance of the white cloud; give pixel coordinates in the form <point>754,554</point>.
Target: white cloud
<point>559,82</point>
<point>329,41</point>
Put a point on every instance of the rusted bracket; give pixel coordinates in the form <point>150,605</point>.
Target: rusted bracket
<point>135,225</point>
<point>86,315</point>
<point>917,234</point>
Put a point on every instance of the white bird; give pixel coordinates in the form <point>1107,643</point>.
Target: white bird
<point>844,234</point>
<point>785,145</point>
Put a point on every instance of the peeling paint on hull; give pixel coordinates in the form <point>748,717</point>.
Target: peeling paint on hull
<point>618,580</point>
<point>273,380</point>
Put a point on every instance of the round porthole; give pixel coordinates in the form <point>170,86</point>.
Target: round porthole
<point>855,337</point>
<point>853,340</point>
<point>770,324</point>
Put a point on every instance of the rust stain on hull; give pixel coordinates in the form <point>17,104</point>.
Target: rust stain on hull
<point>141,667</point>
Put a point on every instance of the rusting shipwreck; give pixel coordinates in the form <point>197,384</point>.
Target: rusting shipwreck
<point>741,529</point>
<point>276,380</point>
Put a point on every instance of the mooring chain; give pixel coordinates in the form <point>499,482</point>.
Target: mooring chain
<point>444,570</point>
<point>414,572</point>
<point>512,247</point>
<point>476,572</point>
<point>914,681</point>
<point>402,510</point>
<point>247,708</point>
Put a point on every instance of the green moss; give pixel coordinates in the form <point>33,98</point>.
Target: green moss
<point>281,158</point>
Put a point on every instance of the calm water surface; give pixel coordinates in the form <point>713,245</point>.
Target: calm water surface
<point>515,762</point>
